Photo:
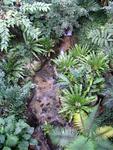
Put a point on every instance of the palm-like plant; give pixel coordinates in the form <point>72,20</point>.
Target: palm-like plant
<point>33,47</point>
<point>98,62</point>
<point>64,62</point>
<point>74,100</point>
<point>79,50</point>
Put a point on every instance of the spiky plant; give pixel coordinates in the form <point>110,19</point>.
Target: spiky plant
<point>13,67</point>
<point>33,47</point>
<point>64,62</point>
<point>74,100</point>
<point>98,62</point>
<point>79,50</point>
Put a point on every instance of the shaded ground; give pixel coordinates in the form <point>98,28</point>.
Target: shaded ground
<point>45,103</point>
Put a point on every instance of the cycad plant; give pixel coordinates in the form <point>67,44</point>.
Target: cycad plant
<point>73,100</point>
<point>64,62</point>
<point>98,62</point>
<point>91,83</point>
<point>79,50</point>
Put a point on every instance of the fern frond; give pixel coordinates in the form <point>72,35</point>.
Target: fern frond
<point>103,36</point>
<point>4,35</point>
<point>89,5</point>
<point>62,136</point>
<point>36,6</point>
<point>81,143</point>
<point>20,19</point>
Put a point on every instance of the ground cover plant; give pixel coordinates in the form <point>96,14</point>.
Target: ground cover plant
<point>51,99</point>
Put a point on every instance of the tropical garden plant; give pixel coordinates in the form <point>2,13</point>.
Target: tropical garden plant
<point>30,36</point>
<point>15,134</point>
<point>91,137</point>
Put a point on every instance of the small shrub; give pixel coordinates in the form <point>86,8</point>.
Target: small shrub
<point>15,134</point>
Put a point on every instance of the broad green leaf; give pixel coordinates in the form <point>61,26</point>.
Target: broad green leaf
<point>6,148</point>
<point>23,145</point>
<point>2,139</point>
<point>12,140</point>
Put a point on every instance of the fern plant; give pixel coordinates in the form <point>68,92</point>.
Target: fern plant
<point>65,14</point>
<point>90,139</point>
<point>34,7</point>
<point>102,36</point>
<point>20,19</point>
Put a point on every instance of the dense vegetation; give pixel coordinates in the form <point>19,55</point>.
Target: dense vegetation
<point>30,34</point>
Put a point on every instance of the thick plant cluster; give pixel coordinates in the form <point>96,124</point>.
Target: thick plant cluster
<point>13,97</point>
<point>64,14</point>
<point>82,77</point>
<point>30,32</point>
<point>15,134</point>
<point>21,42</point>
<point>20,19</point>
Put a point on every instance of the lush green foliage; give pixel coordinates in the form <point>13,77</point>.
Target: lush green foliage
<point>73,100</point>
<point>29,32</point>
<point>21,20</point>
<point>13,97</point>
<point>13,67</point>
<point>81,78</point>
<point>65,14</point>
<point>15,134</point>
<point>90,139</point>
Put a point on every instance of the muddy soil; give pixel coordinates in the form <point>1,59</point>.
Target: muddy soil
<point>45,104</point>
